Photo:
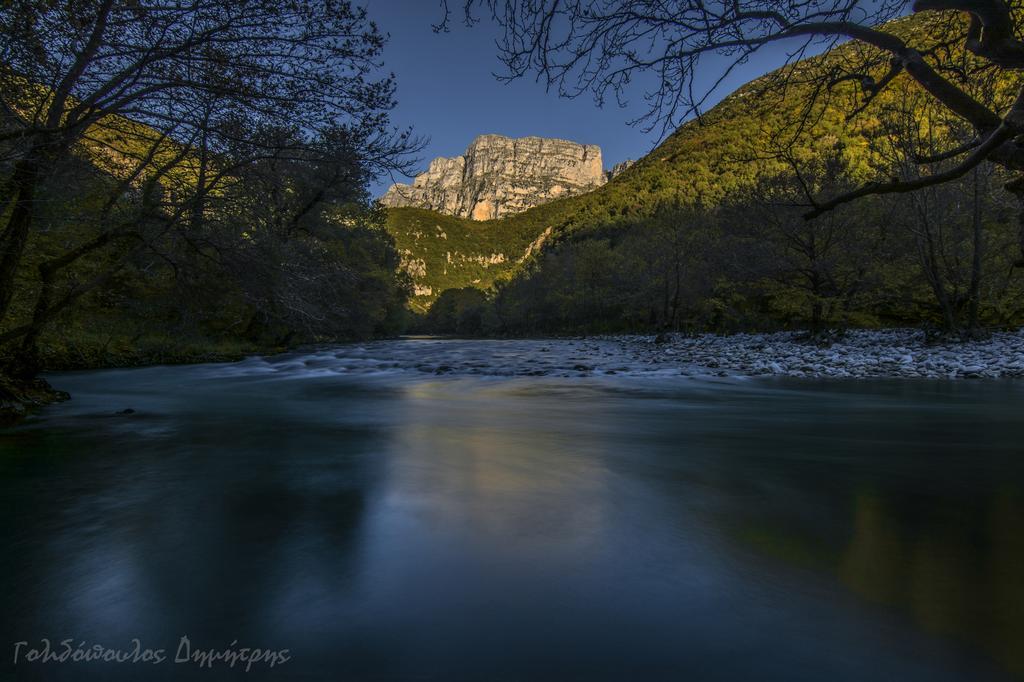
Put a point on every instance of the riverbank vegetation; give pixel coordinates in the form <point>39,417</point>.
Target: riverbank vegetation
<point>942,259</point>
<point>863,187</point>
<point>188,182</point>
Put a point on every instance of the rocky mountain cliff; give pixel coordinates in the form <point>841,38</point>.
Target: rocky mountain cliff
<point>500,176</point>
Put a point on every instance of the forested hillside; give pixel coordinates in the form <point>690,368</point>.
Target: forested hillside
<point>441,252</point>
<point>223,290</point>
<point>706,232</point>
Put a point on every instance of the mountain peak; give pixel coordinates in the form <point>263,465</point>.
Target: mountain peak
<point>500,176</point>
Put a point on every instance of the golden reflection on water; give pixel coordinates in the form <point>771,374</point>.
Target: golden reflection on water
<point>474,465</point>
<point>489,477</point>
<point>948,580</point>
<point>874,560</point>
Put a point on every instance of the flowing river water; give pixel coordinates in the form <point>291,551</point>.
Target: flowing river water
<point>515,510</point>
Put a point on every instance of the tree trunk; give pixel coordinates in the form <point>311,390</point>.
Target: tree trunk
<point>19,225</point>
<point>666,298</point>
<point>676,293</point>
<point>27,364</point>
<point>816,284</point>
<point>974,296</point>
<point>1016,188</point>
<point>932,267</point>
<point>816,317</point>
<point>934,277</point>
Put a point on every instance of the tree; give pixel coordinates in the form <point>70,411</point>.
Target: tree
<point>458,311</point>
<point>93,74</point>
<point>177,108</point>
<point>667,263</point>
<point>949,224</point>
<point>817,271</point>
<point>310,259</point>
<point>603,46</point>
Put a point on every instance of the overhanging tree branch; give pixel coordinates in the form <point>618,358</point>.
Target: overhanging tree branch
<point>980,154</point>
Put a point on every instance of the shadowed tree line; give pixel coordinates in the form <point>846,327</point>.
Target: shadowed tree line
<point>195,172</point>
<point>941,258</point>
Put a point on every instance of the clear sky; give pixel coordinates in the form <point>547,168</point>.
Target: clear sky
<point>447,90</point>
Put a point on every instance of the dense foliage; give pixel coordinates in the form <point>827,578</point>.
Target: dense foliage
<point>442,252</point>
<point>750,265</point>
<point>188,181</point>
<point>708,230</point>
<point>270,266</point>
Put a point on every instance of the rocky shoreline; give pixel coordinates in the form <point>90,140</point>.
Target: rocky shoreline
<point>895,353</point>
<point>887,354</point>
<point>19,398</point>
<point>859,354</point>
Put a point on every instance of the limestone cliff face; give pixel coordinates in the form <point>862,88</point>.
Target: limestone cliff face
<point>499,176</point>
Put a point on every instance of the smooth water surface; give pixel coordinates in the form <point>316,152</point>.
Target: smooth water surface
<point>528,510</point>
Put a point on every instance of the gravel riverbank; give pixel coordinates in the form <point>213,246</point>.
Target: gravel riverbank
<point>898,353</point>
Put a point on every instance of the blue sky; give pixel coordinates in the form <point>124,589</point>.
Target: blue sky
<point>447,90</point>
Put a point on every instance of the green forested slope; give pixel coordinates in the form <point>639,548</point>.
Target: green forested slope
<point>444,252</point>
<point>703,163</point>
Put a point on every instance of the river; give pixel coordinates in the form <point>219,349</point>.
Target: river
<point>443,510</point>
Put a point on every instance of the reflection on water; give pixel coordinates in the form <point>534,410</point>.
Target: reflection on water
<point>388,523</point>
<point>959,575</point>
